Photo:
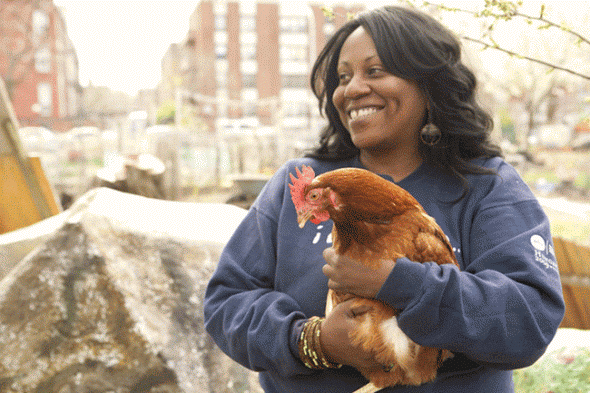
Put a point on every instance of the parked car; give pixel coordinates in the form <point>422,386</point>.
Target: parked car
<point>38,140</point>
<point>85,144</point>
<point>45,144</point>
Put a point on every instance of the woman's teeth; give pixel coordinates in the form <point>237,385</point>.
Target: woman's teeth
<point>361,112</point>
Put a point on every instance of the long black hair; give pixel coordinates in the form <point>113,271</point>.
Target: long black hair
<point>414,46</point>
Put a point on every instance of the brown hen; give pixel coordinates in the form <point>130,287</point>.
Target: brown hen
<point>374,219</point>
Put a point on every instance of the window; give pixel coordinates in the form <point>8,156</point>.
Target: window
<point>44,98</point>
<point>293,24</point>
<point>221,67</point>
<point>247,23</point>
<point>248,51</point>
<point>43,60</point>
<point>220,52</point>
<point>40,25</point>
<point>72,101</point>
<point>249,67</point>
<point>288,68</point>
<point>249,97</point>
<point>249,80</point>
<point>294,53</point>
<point>248,38</point>
<point>297,109</point>
<point>220,38</point>
<point>294,39</point>
<point>71,69</point>
<point>220,22</point>
<point>329,29</point>
<point>295,81</point>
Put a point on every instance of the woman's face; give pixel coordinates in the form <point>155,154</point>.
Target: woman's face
<point>381,111</point>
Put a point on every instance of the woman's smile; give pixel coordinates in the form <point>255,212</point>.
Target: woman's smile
<point>362,112</point>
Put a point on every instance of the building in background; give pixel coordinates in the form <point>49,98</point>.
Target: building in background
<point>246,65</point>
<point>39,64</point>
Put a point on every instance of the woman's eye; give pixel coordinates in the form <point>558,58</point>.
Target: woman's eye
<point>375,70</point>
<point>343,78</point>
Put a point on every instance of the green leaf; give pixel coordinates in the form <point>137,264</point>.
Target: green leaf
<point>328,12</point>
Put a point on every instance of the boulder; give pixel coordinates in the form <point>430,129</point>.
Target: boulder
<point>109,299</point>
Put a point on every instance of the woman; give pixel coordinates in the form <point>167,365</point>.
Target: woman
<point>401,104</point>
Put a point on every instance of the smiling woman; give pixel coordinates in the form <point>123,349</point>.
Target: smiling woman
<point>383,79</point>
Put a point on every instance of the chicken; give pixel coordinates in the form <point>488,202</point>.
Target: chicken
<point>375,219</point>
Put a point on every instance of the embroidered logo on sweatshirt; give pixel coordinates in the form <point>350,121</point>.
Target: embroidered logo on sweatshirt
<point>544,252</point>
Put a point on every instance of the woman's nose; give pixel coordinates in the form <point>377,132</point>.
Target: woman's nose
<point>357,86</point>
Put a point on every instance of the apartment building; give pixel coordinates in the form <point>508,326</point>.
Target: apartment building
<point>38,63</point>
<point>248,63</point>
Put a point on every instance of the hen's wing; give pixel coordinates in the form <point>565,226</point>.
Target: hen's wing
<point>430,244</point>
<point>432,247</point>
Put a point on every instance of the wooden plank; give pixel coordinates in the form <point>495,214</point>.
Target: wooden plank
<point>572,314</point>
<point>17,207</point>
<point>575,281</point>
<point>579,256</point>
<point>574,269</point>
<point>46,190</point>
<point>565,266</point>
<point>12,147</point>
<point>576,307</point>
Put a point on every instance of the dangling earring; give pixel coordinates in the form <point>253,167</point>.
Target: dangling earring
<point>430,134</point>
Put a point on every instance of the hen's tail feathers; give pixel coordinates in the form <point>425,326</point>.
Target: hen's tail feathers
<point>368,388</point>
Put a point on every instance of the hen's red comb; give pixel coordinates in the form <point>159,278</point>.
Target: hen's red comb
<point>304,178</point>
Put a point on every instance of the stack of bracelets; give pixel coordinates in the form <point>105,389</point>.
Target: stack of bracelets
<point>310,348</point>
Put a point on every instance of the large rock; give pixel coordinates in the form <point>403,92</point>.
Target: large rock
<point>110,300</point>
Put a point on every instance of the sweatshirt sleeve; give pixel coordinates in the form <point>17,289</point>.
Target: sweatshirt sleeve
<point>250,321</point>
<point>504,308</point>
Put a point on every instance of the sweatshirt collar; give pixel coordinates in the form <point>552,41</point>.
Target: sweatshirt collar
<point>410,179</point>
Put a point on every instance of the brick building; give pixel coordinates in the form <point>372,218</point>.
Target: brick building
<point>39,64</point>
<point>249,62</point>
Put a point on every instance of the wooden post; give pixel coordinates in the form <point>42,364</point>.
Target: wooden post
<point>12,149</point>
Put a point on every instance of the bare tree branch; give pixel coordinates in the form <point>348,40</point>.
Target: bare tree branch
<point>562,27</point>
<point>508,11</point>
<point>514,13</point>
<point>520,56</point>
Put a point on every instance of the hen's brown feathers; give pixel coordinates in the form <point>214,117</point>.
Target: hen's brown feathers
<point>371,197</point>
<point>375,220</point>
<point>379,215</point>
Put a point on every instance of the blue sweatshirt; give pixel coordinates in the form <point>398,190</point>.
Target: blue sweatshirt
<point>498,313</point>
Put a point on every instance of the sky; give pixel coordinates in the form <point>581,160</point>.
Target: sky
<point>120,44</point>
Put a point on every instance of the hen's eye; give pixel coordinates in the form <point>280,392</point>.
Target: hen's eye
<point>313,195</point>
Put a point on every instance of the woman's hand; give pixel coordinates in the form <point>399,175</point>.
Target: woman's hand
<point>350,276</point>
<point>335,339</point>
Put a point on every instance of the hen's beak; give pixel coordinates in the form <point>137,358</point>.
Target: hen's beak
<point>303,217</point>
